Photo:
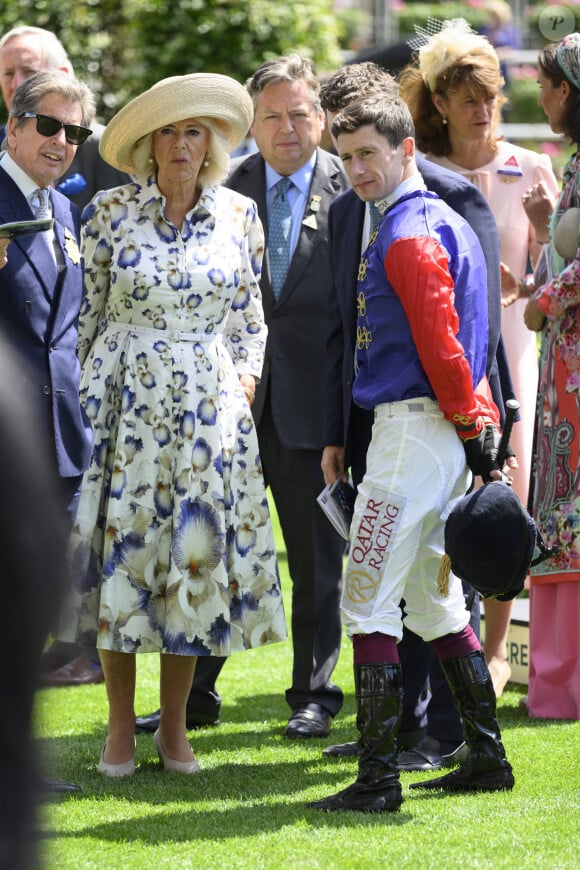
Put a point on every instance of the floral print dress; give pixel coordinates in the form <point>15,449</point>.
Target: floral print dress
<point>556,496</point>
<point>173,549</point>
<point>554,679</point>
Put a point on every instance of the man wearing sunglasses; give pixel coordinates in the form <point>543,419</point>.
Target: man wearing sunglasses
<point>48,126</point>
<point>24,51</point>
<point>41,285</point>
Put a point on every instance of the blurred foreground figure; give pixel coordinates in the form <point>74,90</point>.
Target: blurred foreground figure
<point>33,540</point>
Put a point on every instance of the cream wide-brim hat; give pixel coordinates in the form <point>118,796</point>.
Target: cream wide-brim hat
<point>198,95</point>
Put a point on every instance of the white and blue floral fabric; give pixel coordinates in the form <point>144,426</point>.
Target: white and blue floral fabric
<point>173,549</point>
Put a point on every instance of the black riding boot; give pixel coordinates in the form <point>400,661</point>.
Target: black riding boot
<point>380,700</point>
<point>486,768</point>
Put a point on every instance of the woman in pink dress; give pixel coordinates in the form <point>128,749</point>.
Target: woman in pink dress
<point>455,92</point>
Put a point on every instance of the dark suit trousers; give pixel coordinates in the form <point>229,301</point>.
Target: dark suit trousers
<point>315,552</point>
<point>61,651</point>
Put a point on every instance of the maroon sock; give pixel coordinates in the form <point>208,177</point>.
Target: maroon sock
<point>374,649</point>
<point>453,646</point>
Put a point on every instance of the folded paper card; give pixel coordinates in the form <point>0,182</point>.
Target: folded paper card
<point>337,502</point>
<point>21,228</point>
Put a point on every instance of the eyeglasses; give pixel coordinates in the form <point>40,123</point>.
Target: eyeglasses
<point>47,126</point>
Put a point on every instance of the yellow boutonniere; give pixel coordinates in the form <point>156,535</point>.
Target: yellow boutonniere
<point>71,247</point>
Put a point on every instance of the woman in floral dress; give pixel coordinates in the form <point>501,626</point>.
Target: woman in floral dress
<point>173,548</point>
<point>554,683</point>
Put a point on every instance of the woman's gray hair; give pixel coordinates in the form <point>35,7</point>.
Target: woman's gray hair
<point>28,95</point>
<point>217,156</point>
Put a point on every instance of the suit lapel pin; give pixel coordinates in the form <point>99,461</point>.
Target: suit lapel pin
<point>71,247</point>
<point>313,207</point>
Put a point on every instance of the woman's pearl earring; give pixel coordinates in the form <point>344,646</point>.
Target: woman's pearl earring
<point>206,160</point>
<point>150,158</point>
<point>444,120</point>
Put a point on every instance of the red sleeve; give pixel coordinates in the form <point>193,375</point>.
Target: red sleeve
<point>418,271</point>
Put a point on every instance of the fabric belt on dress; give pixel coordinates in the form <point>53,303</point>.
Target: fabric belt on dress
<point>167,334</point>
<point>421,405</point>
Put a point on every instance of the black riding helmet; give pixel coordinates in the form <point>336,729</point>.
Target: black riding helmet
<point>490,539</point>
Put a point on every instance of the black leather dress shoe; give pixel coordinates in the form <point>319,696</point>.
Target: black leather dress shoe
<point>427,755</point>
<point>59,786</point>
<point>424,756</point>
<point>193,720</point>
<point>308,720</point>
<point>341,750</point>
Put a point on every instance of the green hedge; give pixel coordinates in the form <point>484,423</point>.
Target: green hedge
<point>523,102</point>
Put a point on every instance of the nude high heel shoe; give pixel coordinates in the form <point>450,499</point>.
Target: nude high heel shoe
<point>171,763</point>
<point>126,768</point>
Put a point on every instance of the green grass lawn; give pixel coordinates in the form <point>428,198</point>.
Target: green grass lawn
<point>246,809</point>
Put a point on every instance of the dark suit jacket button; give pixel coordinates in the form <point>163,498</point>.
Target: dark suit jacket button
<point>46,390</point>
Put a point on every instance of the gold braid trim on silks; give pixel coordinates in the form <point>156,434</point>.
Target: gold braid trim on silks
<point>443,575</point>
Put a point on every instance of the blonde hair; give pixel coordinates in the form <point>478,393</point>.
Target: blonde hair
<point>218,157</point>
<point>453,57</point>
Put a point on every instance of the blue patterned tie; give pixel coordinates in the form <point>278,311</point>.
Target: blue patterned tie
<point>279,235</point>
<point>43,210</point>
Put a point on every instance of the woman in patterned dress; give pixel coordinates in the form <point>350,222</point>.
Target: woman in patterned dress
<point>173,549</point>
<point>455,93</point>
<point>554,684</point>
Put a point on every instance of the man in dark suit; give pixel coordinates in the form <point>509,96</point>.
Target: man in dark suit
<point>287,127</point>
<point>25,50</point>
<point>431,731</point>
<point>41,282</point>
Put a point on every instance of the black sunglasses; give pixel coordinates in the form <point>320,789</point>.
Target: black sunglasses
<point>47,126</point>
